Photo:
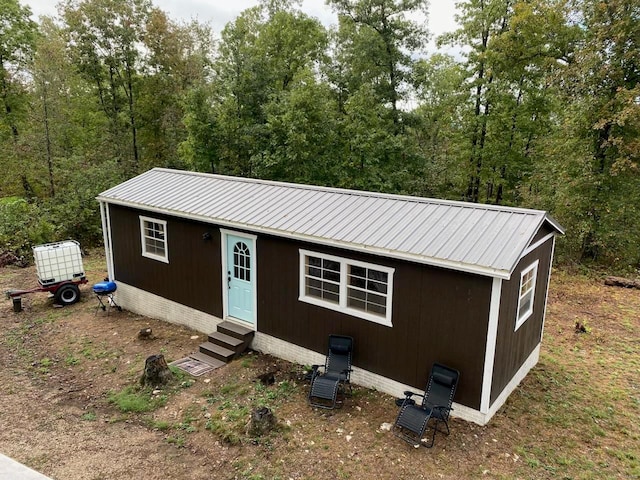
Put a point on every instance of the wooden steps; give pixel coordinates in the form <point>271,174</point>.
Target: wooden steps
<point>229,341</point>
<point>216,351</point>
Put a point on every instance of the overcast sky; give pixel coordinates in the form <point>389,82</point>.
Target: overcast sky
<point>219,12</point>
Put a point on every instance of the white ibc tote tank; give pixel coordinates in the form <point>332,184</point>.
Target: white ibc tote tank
<point>58,262</point>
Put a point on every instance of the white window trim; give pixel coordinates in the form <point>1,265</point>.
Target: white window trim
<point>521,320</point>
<point>162,258</point>
<point>342,305</point>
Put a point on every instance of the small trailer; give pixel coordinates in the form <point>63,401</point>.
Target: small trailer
<point>60,272</point>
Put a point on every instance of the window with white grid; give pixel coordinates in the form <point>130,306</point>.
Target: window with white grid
<point>355,288</point>
<point>527,293</point>
<point>153,236</point>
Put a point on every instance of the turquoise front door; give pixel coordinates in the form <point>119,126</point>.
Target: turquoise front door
<point>240,278</point>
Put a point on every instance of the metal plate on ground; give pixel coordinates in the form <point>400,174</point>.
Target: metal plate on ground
<point>193,366</point>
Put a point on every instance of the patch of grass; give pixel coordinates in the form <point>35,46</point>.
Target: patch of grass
<point>581,389</point>
<point>18,340</point>
<point>161,425</point>
<point>90,351</point>
<point>89,417</point>
<point>224,430</point>
<point>189,417</point>
<point>181,376</point>
<point>71,360</point>
<point>233,411</point>
<point>248,361</point>
<point>44,365</point>
<point>268,395</point>
<point>177,440</point>
<point>178,373</point>
<point>230,417</point>
<point>229,388</point>
<point>234,403</point>
<point>137,400</point>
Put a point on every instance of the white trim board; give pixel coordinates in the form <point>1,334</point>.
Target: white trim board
<point>500,400</point>
<point>144,220</point>
<point>532,247</point>
<point>342,305</point>
<point>105,217</point>
<point>490,348</point>
<point>224,235</point>
<point>546,293</point>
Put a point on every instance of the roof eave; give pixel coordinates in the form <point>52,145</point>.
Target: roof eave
<point>543,219</point>
<point>435,262</point>
<point>554,223</point>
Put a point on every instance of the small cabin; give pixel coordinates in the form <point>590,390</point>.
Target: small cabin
<point>413,280</point>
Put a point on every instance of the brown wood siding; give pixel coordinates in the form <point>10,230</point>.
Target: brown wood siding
<point>514,347</point>
<point>438,315</point>
<point>193,275</point>
<point>545,230</point>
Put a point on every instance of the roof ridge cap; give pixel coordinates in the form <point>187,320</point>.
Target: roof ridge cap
<point>362,193</point>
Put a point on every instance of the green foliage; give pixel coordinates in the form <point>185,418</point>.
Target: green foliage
<point>234,403</point>
<point>268,396</point>
<point>23,225</point>
<point>136,400</point>
<point>375,40</point>
<point>299,127</point>
<point>200,148</point>
<point>17,39</point>
<point>74,209</point>
<point>71,360</point>
<point>18,34</point>
<point>161,425</point>
<point>538,108</point>
<point>588,174</point>
<point>609,81</point>
<point>89,417</point>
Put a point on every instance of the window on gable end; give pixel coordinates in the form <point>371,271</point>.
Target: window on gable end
<point>527,294</point>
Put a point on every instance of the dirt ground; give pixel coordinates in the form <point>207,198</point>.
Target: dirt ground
<point>575,416</point>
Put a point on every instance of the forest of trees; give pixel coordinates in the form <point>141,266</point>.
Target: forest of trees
<point>539,109</point>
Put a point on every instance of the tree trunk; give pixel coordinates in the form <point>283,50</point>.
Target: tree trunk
<point>476,163</point>
<point>156,371</point>
<point>622,282</point>
<point>48,139</point>
<point>132,120</point>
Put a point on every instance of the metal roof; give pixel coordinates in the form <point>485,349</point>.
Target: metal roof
<point>477,238</point>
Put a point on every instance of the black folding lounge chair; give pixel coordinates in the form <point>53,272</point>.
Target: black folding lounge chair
<point>413,418</point>
<point>334,378</point>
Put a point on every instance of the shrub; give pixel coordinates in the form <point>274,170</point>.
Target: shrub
<point>22,225</point>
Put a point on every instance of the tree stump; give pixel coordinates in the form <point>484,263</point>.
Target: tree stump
<point>262,421</point>
<point>268,378</point>
<point>146,334</point>
<point>156,371</point>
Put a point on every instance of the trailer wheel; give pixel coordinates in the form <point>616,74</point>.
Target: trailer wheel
<point>67,294</point>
